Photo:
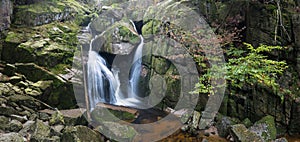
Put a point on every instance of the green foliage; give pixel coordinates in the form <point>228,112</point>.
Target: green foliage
<point>246,67</point>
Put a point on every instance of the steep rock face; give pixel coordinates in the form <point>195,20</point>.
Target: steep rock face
<point>6,10</point>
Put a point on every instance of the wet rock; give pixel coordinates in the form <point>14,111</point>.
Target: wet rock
<point>11,137</point>
<point>265,128</point>
<point>79,133</point>
<point>120,38</point>
<point>26,128</point>
<point>241,134</point>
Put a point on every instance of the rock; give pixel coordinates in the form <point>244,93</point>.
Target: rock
<point>57,118</point>
<point>44,12</point>
<point>22,119</point>
<point>3,123</point>
<point>9,70</point>
<point>241,134</point>
<point>58,128</point>
<point>11,137</point>
<point>196,119</point>
<point>43,84</point>
<point>281,140</point>
<point>104,113</point>
<point>15,126</point>
<point>79,133</point>
<point>43,116</point>
<point>26,101</point>
<point>35,130</point>
<point>224,124</point>
<point>265,128</point>
<point>7,111</point>
<point>71,117</point>
<point>119,38</point>
<point>247,122</point>
<point>117,131</point>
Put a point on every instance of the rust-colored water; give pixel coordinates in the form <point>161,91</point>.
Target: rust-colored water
<point>293,138</point>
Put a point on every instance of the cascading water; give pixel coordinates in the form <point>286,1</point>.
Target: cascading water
<point>104,84</point>
<point>136,69</point>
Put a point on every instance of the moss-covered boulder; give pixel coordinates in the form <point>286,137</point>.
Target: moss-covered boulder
<point>80,133</point>
<point>265,128</point>
<point>117,131</point>
<point>241,134</point>
<point>44,12</point>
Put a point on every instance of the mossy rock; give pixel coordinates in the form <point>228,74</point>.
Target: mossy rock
<point>45,12</point>
<point>120,38</point>
<point>242,134</point>
<point>117,131</point>
<point>80,134</point>
<point>265,128</point>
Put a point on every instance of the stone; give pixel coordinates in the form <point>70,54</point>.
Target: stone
<point>79,133</point>
<point>45,12</point>
<point>37,130</point>
<point>281,140</point>
<point>3,123</point>
<point>265,128</point>
<point>26,101</point>
<point>15,126</point>
<point>242,134</point>
<point>57,118</point>
<point>247,122</point>
<point>71,117</point>
<point>117,131</point>
<point>9,70</point>
<point>11,137</point>
<point>196,119</point>
<point>20,118</point>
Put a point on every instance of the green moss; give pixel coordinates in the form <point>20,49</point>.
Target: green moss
<point>151,27</point>
<point>271,132</point>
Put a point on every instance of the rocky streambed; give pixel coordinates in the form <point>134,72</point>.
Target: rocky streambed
<point>39,40</point>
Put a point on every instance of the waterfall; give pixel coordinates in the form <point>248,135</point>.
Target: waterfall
<point>135,72</point>
<point>103,84</point>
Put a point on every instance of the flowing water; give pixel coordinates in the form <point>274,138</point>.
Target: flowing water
<point>103,83</point>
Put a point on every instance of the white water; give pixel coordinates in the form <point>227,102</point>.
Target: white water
<point>104,84</point>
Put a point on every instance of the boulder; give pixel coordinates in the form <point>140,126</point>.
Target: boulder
<point>44,12</point>
<point>265,128</point>
<point>80,133</point>
<point>11,137</point>
<point>117,131</point>
<point>14,126</point>
<point>241,134</point>
<point>224,124</point>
